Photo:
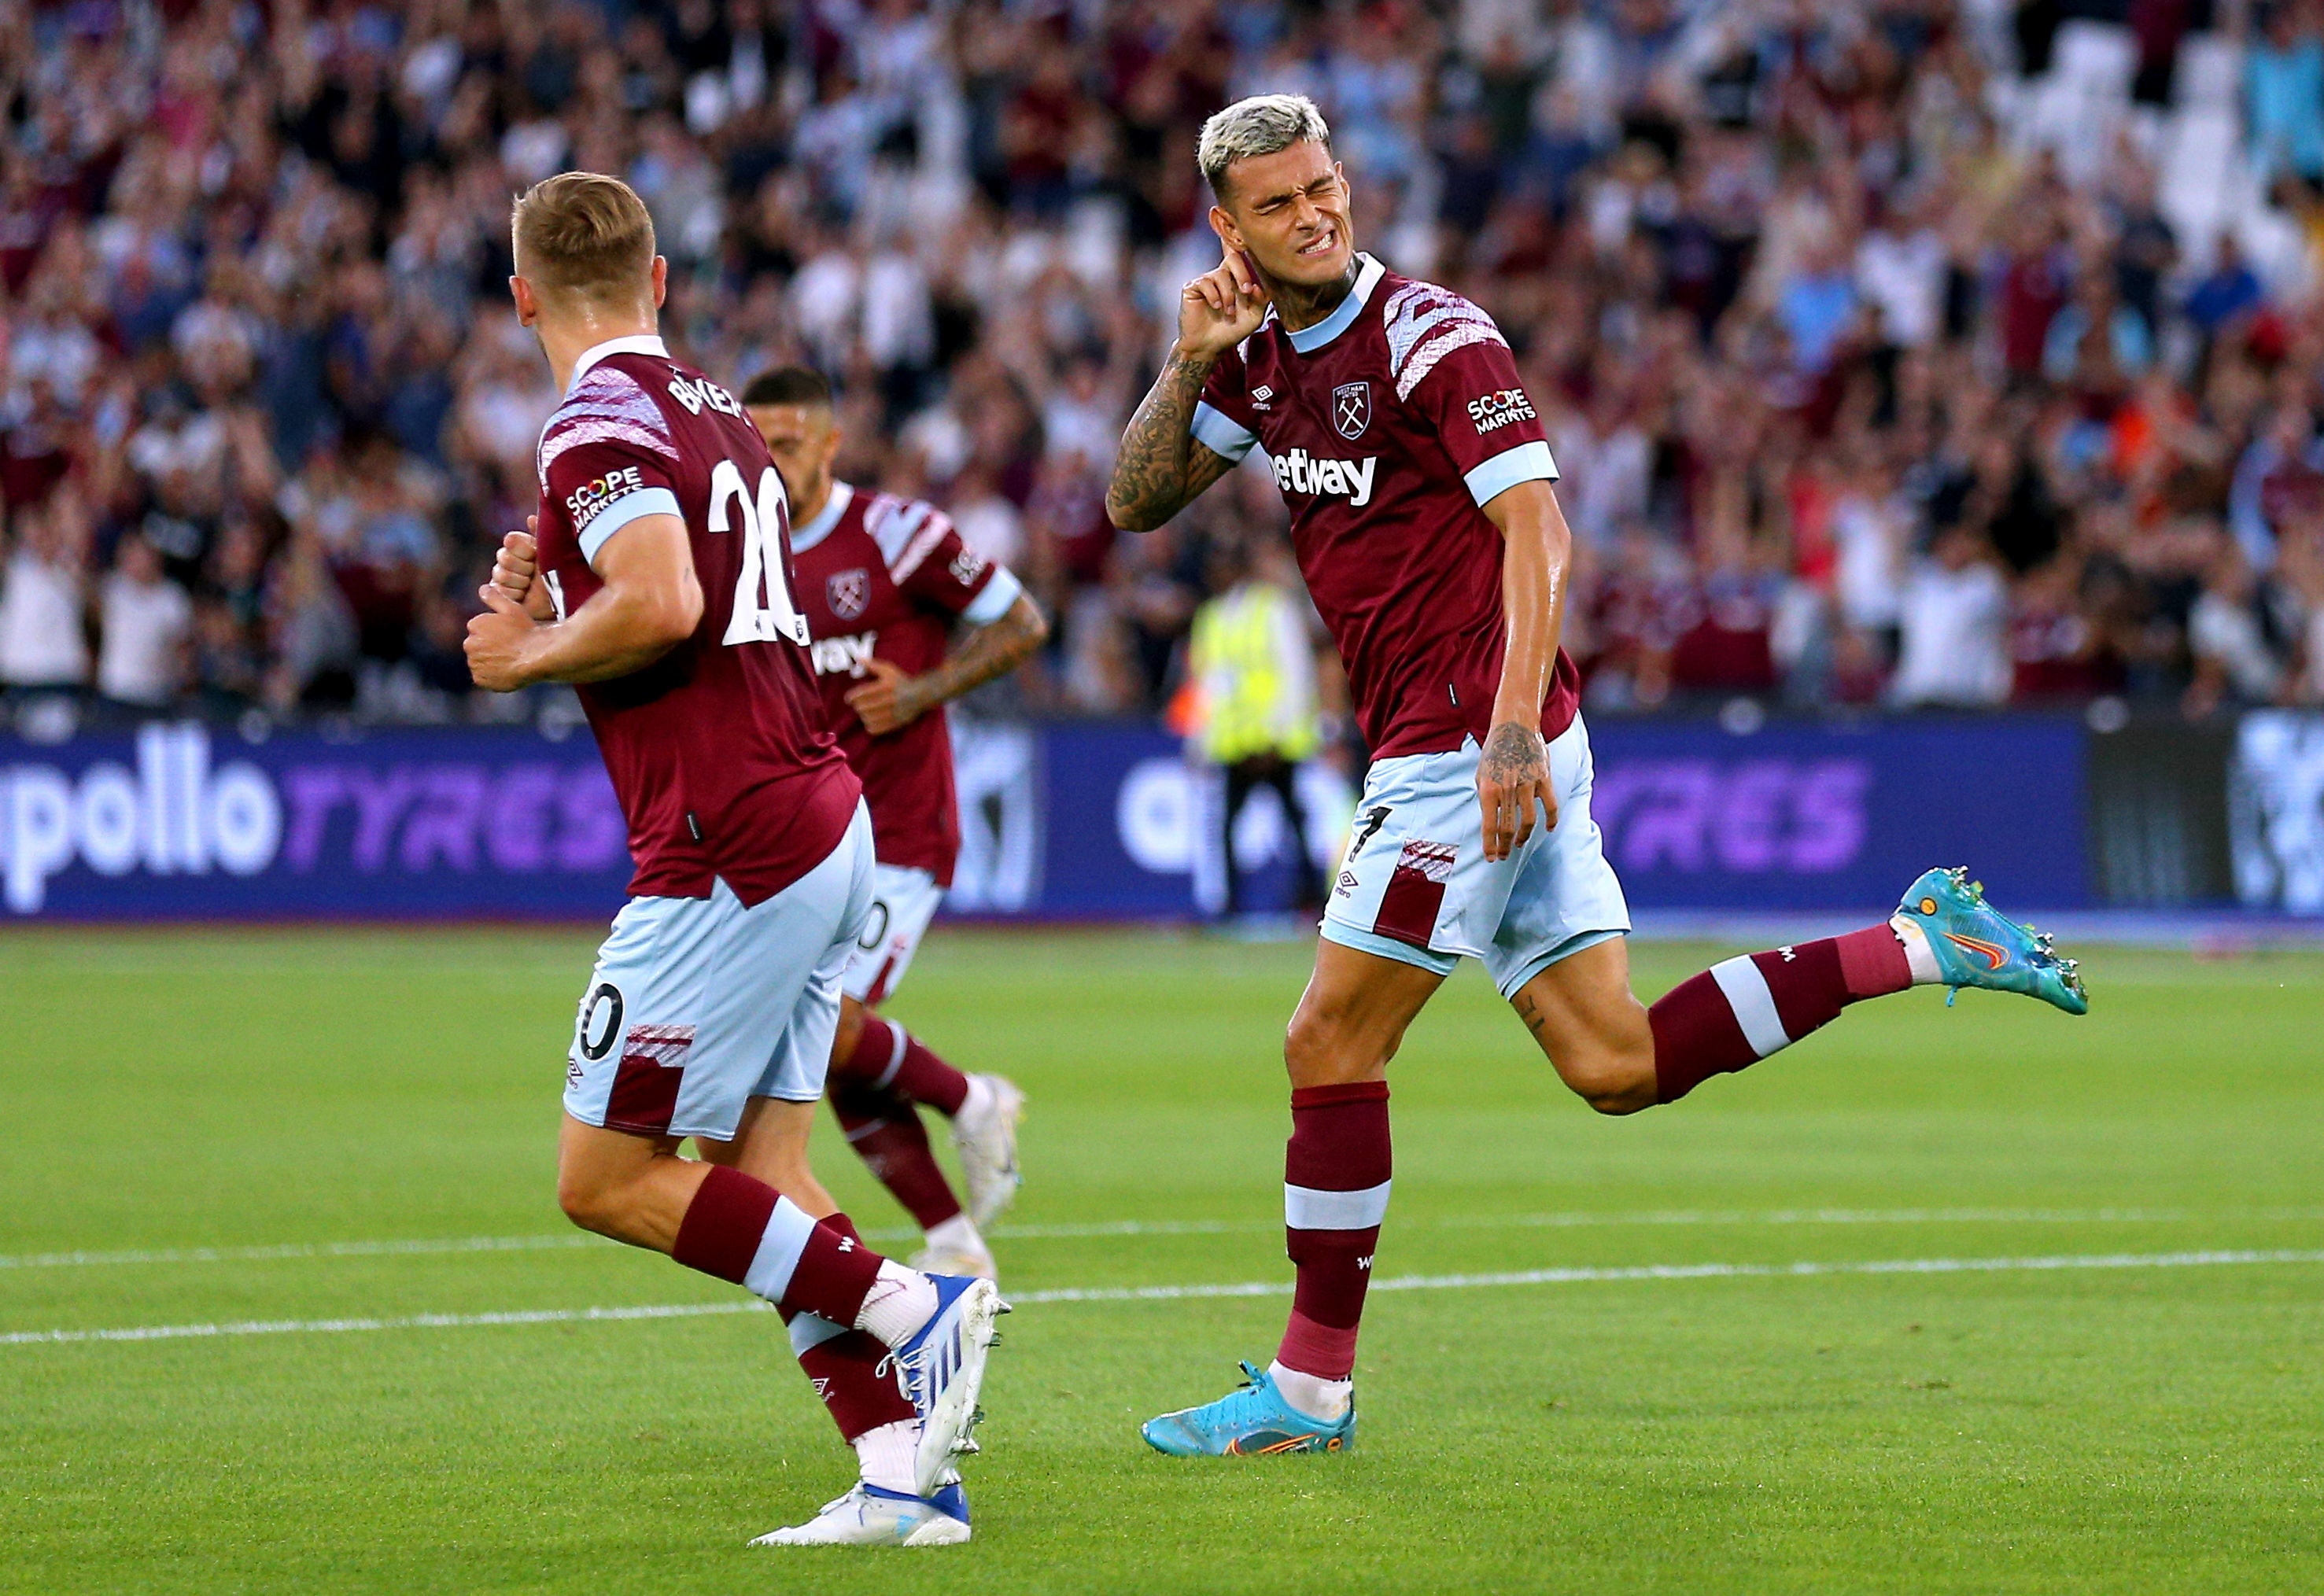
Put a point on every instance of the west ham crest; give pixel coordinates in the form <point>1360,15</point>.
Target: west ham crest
<point>1351,409</point>
<point>848,591</point>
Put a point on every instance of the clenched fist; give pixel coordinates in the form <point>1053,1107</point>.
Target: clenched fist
<point>516,571</point>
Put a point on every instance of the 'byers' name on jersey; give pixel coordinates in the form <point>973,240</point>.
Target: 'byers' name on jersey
<point>843,656</point>
<point>1299,472</point>
<point>697,393</point>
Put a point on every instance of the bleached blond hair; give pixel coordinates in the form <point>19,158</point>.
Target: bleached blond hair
<point>1260,125</point>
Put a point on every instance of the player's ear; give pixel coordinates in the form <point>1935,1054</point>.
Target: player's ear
<point>528,308</point>
<point>660,281</point>
<point>1223,225</point>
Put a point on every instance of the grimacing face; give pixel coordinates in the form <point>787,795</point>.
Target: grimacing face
<point>803,440</point>
<point>1288,211</point>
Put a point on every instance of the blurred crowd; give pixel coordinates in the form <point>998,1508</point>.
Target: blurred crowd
<point>1866,390</point>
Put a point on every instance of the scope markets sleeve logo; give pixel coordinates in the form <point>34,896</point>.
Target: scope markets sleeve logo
<point>1492,411</point>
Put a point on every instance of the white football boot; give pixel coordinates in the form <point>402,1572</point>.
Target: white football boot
<point>941,1369</point>
<point>953,1260</point>
<point>868,1516</point>
<point>985,1132</point>
<point>955,1248</point>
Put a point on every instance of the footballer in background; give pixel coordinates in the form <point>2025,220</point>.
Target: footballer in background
<point>884,583</point>
<point>1418,478</point>
<point>656,583</point>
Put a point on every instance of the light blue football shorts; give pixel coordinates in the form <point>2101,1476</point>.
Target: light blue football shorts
<point>698,1004</point>
<point>1415,885</point>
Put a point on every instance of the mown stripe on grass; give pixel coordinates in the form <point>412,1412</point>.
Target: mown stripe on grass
<point>1099,1230</point>
<point>1131,1294</point>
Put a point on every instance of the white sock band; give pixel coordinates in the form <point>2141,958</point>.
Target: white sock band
<point>895,1058</point>
<point>1753,1004</point>
<point>786,1237</point>
<point>810,1331</point>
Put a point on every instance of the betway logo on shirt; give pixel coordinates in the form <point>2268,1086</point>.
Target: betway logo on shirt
<point>1299,472</point>
<point>843,656</point>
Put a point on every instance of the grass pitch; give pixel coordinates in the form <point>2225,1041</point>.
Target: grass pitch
<point>299,1127</point>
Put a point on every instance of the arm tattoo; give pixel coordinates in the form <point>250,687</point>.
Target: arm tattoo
<point>984,653</point>
<point>1161,467</point>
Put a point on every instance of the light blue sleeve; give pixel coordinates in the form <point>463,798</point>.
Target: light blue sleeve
<point>1528,462</point>
<point>623,511</point>
<point>1221,434</point>
<point>1000,594</point>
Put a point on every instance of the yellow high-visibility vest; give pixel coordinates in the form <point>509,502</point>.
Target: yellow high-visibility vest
<point>1250,658</point>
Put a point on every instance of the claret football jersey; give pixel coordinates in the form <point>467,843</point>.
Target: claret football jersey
<point>717,750</point>
<point>1389,424</point>
<point>889,576</point>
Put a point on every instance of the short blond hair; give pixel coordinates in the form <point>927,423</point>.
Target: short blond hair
<point>583,233</point>
<point>1260,125</point>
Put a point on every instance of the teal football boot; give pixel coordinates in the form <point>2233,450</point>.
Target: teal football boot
<point>1247,1423</point>
<point>1974,946</point>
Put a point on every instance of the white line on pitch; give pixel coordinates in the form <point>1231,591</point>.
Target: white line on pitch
<point>1205,1227</point>
<point>301,1249</point>
<point>1127,1294</point>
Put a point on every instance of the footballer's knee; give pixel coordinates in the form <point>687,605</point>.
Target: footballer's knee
<point>1324,1046</point>
<point>1614,1078</point>
<point>849,1032</point>
<point>602,1195</point>
<point>590,1202</point>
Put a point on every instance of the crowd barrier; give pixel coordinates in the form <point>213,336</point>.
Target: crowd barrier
<point>182,820</point>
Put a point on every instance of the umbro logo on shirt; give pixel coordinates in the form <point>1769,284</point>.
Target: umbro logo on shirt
<point>1299,472</point>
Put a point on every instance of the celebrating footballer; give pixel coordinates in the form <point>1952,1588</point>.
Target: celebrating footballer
<point>1419,482</point>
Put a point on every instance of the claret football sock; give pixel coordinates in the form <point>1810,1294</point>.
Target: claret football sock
<point>886,1134</point>
<point>887,1056</point>
<point>925,1078</point>
<point>846,1368</point>
<point>895,1060</point>
<point>743,1230</point>
<point>1336,1186</point>
<point>877,1055</point>
<point>1736,1013</point>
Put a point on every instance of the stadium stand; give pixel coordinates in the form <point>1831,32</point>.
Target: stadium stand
<point>1910,353</point>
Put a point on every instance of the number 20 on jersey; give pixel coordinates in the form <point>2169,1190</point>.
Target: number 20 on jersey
<point>764,610</point>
